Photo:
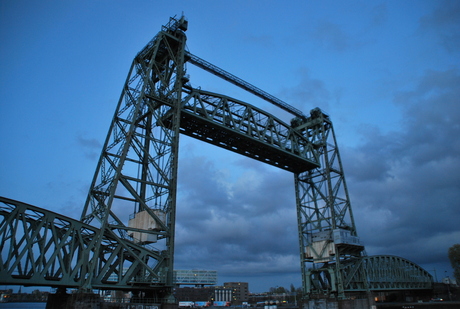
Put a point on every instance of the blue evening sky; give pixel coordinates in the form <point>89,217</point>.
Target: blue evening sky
<point>387,72</point>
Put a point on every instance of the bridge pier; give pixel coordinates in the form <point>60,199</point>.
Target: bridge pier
<point>61,300</point>
<point>57,300</point>
<point>163,299</point>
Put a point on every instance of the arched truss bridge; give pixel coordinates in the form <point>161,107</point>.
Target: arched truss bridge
<point>373,273</point>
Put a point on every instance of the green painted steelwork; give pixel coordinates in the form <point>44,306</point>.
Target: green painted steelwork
<point>137,170</point>
<point>125,239</point>
<point>385,272</point>
<point>327,231</point>
<point>243,84</point>
<point>245,129</point>
<point>43,248</point>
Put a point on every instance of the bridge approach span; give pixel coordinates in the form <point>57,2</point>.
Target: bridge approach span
<point>43,248</point>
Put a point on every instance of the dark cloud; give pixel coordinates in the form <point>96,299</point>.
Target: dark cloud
<point>331,36</point>
<point>239,217</point>
<point>308,92</point>
<point>405,185</point>
<point>91,146</point>
<point>444,23</point>
<point>247,226</point>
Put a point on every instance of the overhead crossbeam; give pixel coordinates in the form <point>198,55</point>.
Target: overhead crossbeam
<point>205,65</point>
<point>42,248</point>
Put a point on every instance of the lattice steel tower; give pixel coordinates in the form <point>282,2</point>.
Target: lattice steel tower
<point>327,232</point>
<point>137,171</point>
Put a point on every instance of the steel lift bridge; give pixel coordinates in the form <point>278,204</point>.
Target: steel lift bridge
<point>137,174</point>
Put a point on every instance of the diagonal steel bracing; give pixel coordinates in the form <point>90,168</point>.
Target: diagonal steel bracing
<point>40,247</point>
<point>126,234</point>
<point>327,231</point>
<point>243,128</point>
<point>133,193</point>
<point>125,238</point>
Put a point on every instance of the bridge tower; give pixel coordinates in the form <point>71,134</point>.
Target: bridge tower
<point>137,171</point>
<point>327,232</point>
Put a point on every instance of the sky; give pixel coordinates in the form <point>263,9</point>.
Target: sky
<point>387,73</point>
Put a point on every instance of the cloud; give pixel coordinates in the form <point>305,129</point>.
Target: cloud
<point>405,185</point>
<point>91,145</point>
<point>444,23</point>
<point>331,36</point>
<point>239,217</point>
<point>308,92</point>
<point>245,226</point>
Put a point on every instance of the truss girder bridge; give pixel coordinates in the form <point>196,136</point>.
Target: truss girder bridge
<point>125,236</point>
<point>385,273</point>
<point>43,248</point>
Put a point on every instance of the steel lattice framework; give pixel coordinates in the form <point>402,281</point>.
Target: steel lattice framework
<point>125,239</point>
<point>40,247</point>
<point>385,272</point>
<point>327,231</point>
<point>245,129</point>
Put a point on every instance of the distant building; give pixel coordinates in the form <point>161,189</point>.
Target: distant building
<point>222,294</point>
<point>195,277</point>
<point>240,291</point>
<point>195,294</point>
<point>236,293</point>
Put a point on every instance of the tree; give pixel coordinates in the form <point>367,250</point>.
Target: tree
<point>454,257</point>
<point>277,290</point>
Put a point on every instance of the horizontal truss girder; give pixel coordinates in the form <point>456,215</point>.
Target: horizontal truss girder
<point>245,129</point>
<point>43,248</point>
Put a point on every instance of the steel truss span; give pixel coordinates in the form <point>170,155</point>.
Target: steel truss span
<point>245,129</point>
<point>125,236</point>
<point>387,272</point>
<point>43,248</point>
<point>372,273</point>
